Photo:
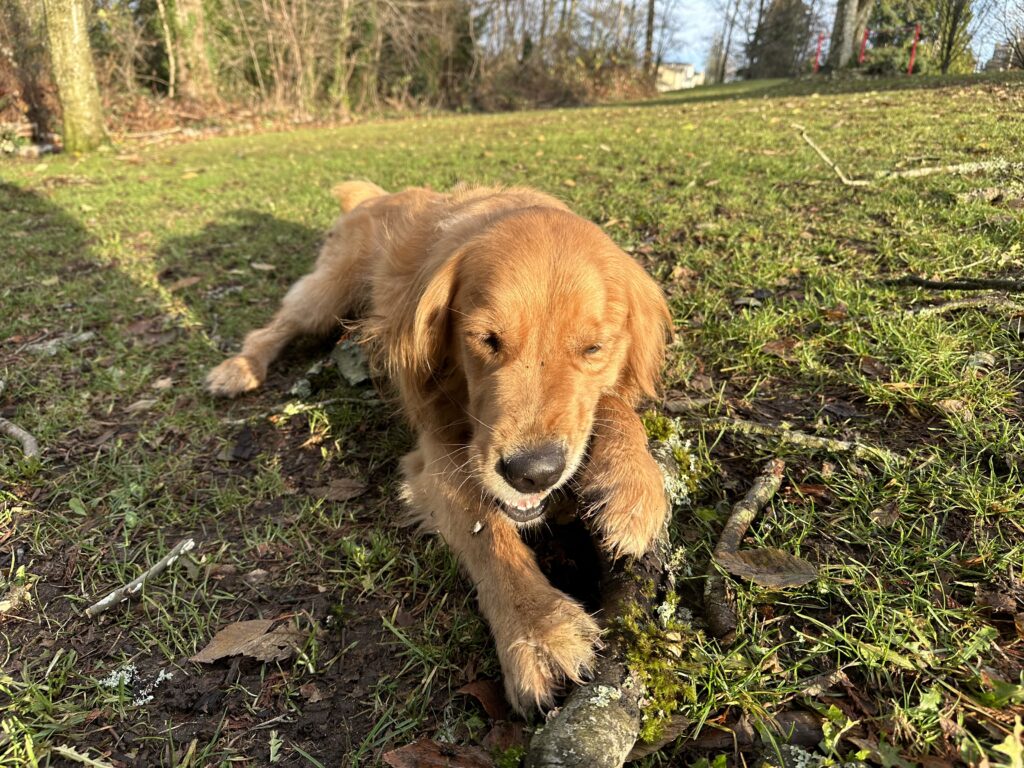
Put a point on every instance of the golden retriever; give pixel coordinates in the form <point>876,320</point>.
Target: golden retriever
<point>520,339</point>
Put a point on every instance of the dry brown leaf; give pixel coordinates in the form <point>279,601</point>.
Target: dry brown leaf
<point>768,567</point>
<point>782,348</point>
<point>185,282</point>
<point>311,693</point>
<point>504,736</point>
<point>140,405</point>
<point>873,367</point>
<point>959,408</point>
<point>341,489</point>
<point>429,754</point>
<point>994,600</point>
<point>490,695</point>
<point>886,515</point>
<point>251,638</point>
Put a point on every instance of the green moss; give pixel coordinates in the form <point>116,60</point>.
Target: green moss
<point>661,656</point>
<point>675,456</point>
<point>509,758</point>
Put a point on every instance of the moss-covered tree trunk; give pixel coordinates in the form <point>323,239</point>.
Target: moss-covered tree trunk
<point>195,75</point>
<point>67,29</point>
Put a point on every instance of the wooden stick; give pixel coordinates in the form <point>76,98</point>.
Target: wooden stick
<point>960,284</point>
<point>989,301</point>
<point>718,605</point>
<point>129,589</point>
<point>828,160</point>
<point>29,445</point>
<point>957,168</point>
<point>784,434</point>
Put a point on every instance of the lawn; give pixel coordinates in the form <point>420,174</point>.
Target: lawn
<point>125,276</point>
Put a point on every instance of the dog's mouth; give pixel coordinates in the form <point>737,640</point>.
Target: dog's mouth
<point>525,508</point>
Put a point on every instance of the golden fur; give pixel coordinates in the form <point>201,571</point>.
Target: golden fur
<point>506,322</point>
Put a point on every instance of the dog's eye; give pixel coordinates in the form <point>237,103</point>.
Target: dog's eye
<point>492,341</point>
<point>593,349</point>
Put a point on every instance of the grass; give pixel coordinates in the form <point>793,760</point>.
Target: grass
<point>159,251</point>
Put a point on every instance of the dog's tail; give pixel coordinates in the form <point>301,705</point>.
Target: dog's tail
<point>351,193</point>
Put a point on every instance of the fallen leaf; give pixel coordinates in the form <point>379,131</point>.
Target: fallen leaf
<point>504,736</point>
<point>261,266</point>
<point>341,489</point>
<point>994,600</point>
<point>251,638</point>
<point>816,490</point>
<point>490,695</point>
<point>140,405</point>
<point>959,408</point>
<point>311,693</point>
<point>18,594</point>
<point>569,183</point>
<point>886,515</point>
<point>683,276</point>
<point>768,567</point>
<point>50,281</point>
<point>350,358</point>
<point>782,348</point>
<point>873,367</point>
<point>185,282</point>
<point>429,754</point>
<point>164,382</point>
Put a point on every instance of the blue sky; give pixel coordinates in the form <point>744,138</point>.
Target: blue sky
<point>697,22</point>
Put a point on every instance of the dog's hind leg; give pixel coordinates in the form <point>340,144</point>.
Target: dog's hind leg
<point>315,305</point>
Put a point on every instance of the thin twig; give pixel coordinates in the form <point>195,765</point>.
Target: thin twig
<point>828,160</point>
<point>718,604</point>
<point>961,169</point>
<point>784,434</point>
<point>129,589</point>
<point>960,284</point>
<point>990,301</point>
<point>29,445</point>
<point>911,173</point>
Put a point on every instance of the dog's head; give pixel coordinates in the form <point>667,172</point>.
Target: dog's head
<point>523,329</point>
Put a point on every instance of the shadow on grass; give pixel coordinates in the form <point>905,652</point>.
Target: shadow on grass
<point>823,85</point>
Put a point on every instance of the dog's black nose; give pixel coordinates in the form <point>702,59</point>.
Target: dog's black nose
<point>534,470</point>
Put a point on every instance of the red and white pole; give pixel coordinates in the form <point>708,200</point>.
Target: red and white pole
<point>913,50</point>
<point>817,54</point>
<point>864,46</point>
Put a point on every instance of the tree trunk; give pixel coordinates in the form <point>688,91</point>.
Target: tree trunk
<point>851,19</point>
<point>67,29</point>
<point>195,76</point>
<point>649,41</point>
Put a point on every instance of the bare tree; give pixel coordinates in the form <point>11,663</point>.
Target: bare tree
<point>851,16</point>
<point>67,30</point>
<point>195,76</point>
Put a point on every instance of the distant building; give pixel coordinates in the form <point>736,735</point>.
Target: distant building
<point>674,77</point>
<point>1008,55</point>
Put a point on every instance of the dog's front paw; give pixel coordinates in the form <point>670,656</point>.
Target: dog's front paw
<point>234,376</point>
<point>559,645</point>
<point>629,506</point>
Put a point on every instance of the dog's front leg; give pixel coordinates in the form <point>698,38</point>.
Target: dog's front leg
<point>543,636</point>
<point>621,481</point>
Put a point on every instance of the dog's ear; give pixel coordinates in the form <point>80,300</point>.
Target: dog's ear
<point>649,325</point>
<point>421,355</point>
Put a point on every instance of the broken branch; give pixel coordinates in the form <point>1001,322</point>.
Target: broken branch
<point>960,284</point>
<point>784,434</point>
<point>718,605</point>
<point>990,301</point>
<point>961,169</point>
<point>129,589</point>
<point>828,160</point>
<point>599,723</point>
<point>29,445</point>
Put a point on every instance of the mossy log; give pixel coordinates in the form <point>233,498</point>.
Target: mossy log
<point>600,723</point>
